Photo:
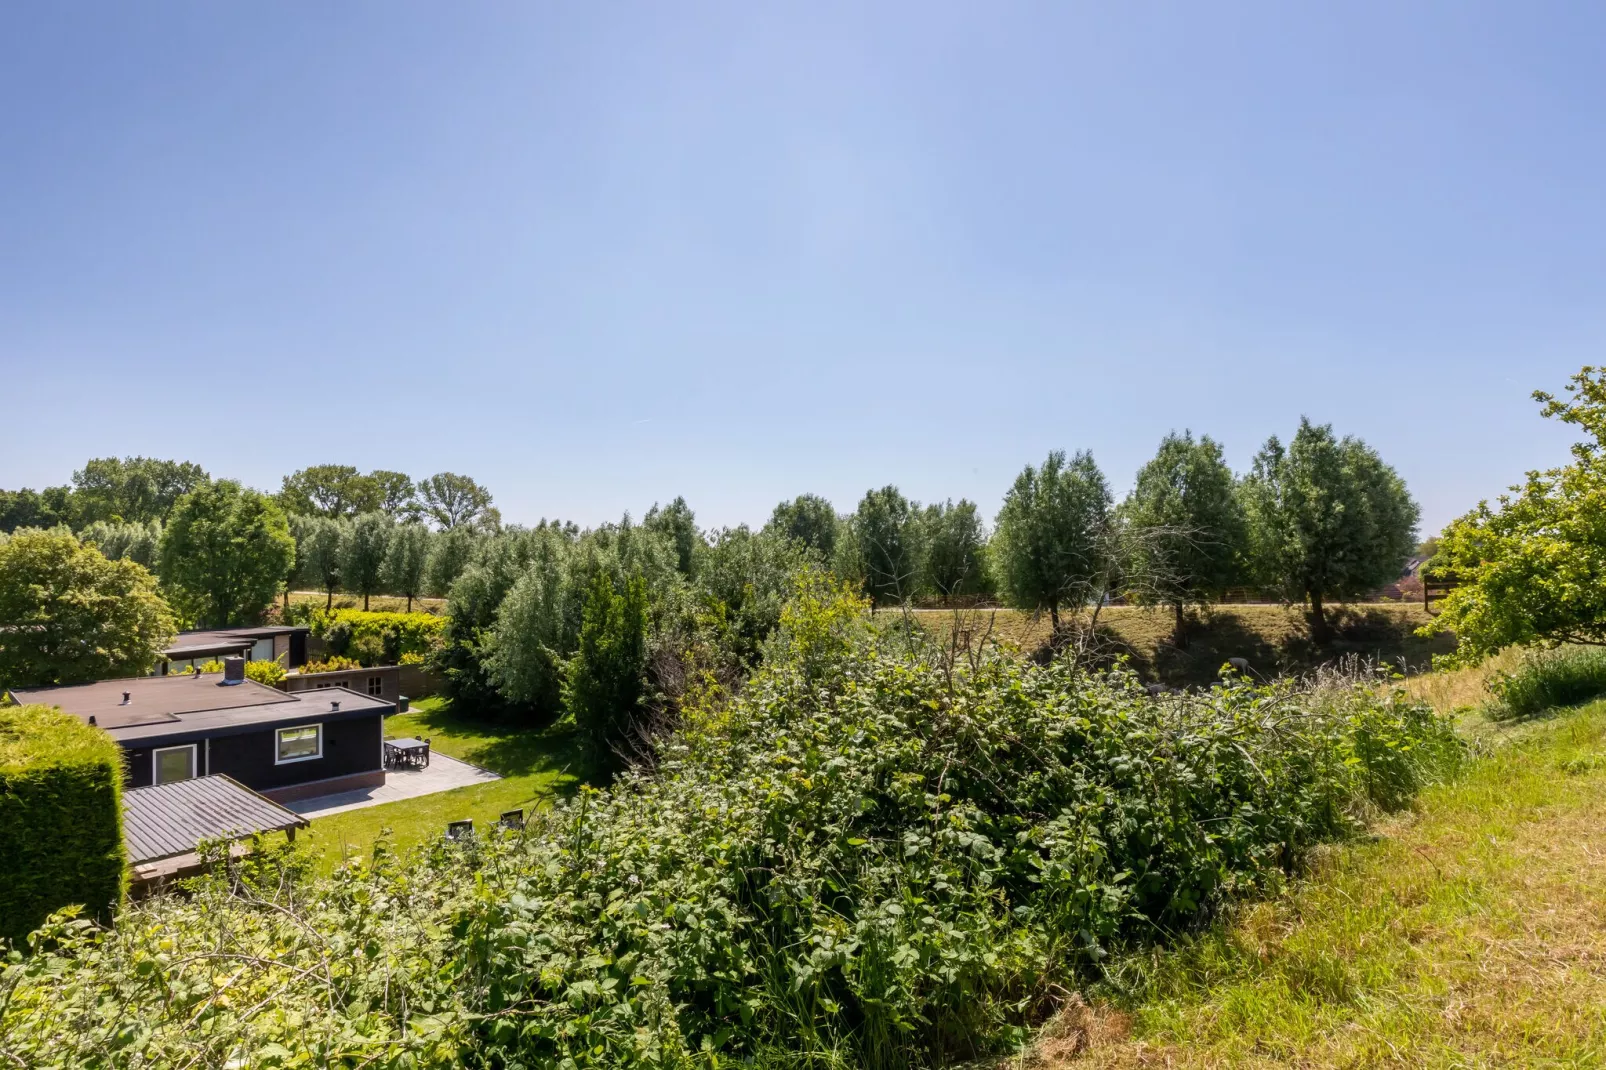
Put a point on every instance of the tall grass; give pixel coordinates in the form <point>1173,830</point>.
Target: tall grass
<point>1545,679</point>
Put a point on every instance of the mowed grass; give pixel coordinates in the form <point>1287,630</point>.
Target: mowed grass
<point>1274,639</point>
<point>1471,932</point>
<point>379,603</point>
<point>536,765</point>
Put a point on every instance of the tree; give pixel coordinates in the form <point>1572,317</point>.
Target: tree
<point>27,508</point>
<point>751,576</point>
<point>135,489</point>
<point>1327,519</point>
<point>452,501</point>
<point>883,547</point>
<point>119,541</point>
<point>224,553</point>
<point>678,523</point>
<point>390,493</point>
<point>954,549</point>
<point>1531,568</point>
<point>1051,543</point>
<point>332,490</point>
<point>364,544</point>
<point>319,541</point>
<point>72,616</point>
<point>532,635</point>
<point>1186,526</point>
<point>449,554</point>
<point>808,519</point>
<point>607,675</point>
<point>405,559</point>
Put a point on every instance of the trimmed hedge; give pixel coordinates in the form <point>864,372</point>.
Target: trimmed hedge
<point>372,638</point>
<point>61,818</point>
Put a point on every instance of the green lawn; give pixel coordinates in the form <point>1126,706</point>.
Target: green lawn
<point>1469,932</point>
<point>536,765</point>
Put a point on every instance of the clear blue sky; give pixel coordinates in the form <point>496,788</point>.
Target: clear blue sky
<point>600,255</point>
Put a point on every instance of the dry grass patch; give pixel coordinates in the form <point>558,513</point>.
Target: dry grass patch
<point>1471,932</point>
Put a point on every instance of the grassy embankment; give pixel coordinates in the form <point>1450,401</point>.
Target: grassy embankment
<point>1275,639</point>
<point>535,764</point>
<point>1469,932</point>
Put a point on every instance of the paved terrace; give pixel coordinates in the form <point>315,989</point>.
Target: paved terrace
<point>443,774</point>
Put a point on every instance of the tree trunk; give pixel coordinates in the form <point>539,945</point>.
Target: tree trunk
<point>1179,635</point>
<point>1054,615</point>
<point>329,603</point>
<point>1319,630</point>
<point>287,596</point>
<point>409,603</point>
<point>365,601</point>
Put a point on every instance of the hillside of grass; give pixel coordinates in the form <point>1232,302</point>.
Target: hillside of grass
<point>1467,932</point>
<point>1274,639</point>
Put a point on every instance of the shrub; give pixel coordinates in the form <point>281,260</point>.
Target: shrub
<point>265,672</point>
<point>61,824</point>
<point>374,636</point>
<point>1544,679</point>
<point>872,852</point>
<point>332,663</point>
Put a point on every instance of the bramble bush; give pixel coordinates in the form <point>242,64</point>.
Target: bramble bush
<point>875,855</point>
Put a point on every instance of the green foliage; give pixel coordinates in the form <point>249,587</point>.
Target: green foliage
<point>134,490</point>
<point>454,501</point>
<point>954,550</point>
<point>1051,544</point>
<point>405,559</point>
<point>450,552</point>
<point>534,633</point>
<point>875,855</point>
<point>808,519</point>
<point>750,576</point>
<point>393,634</point>
<point>1327,519</point>
<point>339,491</point>
<point>607,676</point>
<point>1186,524</point>
<point>319,541</point>
<point>61,824</point>
<point>28,508</point>
<point>1532,568</point>
<point>72,616</point>
<point>1545,679</point>
<point>265,672</point>
<point>125,542</point>
<point>332,663</point>
<point>364,544</point>
<point>224,553</point>
<point>882,546</point>
<point>677,523</point>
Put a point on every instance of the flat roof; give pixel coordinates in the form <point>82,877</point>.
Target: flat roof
<point>166,820</point>
<point>217,640</point>
<point>197,704</point>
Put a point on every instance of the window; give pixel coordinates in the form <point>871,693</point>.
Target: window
<point>299,744</point>
<point>376,685</point>
<point>172,763</point>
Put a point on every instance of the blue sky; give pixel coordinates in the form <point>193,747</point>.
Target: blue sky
<point>600,255</point>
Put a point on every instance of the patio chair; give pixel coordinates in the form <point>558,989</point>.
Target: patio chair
<point>511,819</point>
<point>459,830</point>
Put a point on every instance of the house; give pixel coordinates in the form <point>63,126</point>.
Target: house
<point>285,643</point>
<point>381,681</point>
<point>286,745</point>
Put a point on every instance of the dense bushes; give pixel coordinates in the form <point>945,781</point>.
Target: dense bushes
<point>372,638</point>
<point>61,822</point>
<point>872,857</point>
<point>1543,679</point>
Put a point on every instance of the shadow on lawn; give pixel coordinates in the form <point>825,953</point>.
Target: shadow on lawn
<point>511,750</point>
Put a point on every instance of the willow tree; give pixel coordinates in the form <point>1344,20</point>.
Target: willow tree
<point>1051,543</point>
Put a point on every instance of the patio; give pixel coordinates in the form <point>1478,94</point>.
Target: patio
<point>442,774</point>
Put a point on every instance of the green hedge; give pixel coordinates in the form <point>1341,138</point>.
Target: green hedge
<point>61,818</point>
<point>371,638</point>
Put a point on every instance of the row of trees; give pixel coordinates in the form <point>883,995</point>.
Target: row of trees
<point>1321,519</point>
<point>145,490</point>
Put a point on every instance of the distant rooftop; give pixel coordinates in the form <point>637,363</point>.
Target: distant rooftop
<point>224,640</point>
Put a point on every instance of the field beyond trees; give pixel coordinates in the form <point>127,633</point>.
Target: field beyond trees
<point>1275,639</point>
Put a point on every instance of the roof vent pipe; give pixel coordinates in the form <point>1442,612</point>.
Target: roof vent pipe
<point>91,720</point>
<point>335,706</point>
<point>233,671</point>
<point>126,697</point>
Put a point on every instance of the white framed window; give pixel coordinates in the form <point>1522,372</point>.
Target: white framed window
<point>376,685</point>
<point>170,764</point>
<point>300,744</point>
